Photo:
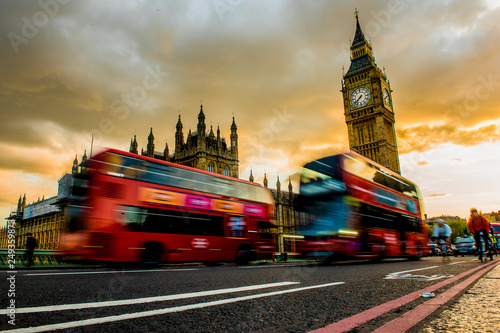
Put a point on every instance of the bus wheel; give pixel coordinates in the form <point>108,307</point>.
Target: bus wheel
<point>244,255</point>
<point>418,255</point>
<point>152,253</point>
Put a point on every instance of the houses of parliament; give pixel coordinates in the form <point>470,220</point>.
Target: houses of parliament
<point>370,119</point>
<point>201,150</point>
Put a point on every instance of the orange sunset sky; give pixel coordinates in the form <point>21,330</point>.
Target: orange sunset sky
<point>116,68</point>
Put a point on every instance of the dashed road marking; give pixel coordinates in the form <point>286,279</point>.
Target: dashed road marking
<point>127,316</point>
<point>163,298</point>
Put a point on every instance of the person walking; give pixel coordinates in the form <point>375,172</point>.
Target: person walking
<point>30,248</point>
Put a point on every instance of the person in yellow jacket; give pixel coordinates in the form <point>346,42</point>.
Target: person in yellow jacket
<point>495,243</point>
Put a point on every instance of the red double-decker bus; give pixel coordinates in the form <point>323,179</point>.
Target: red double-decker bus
<point>357,208</point>
<point>131,208</point>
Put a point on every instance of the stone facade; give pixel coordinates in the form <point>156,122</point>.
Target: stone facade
<point>201,149</point>
<point>286,216</point>
<point>43,218</point>
<point>368,107</point>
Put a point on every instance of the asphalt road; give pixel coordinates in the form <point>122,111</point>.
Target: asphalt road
<point>277,297</point>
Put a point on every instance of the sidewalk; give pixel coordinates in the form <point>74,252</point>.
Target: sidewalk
<point>477,310</point>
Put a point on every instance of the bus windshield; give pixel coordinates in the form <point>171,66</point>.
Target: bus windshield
<point>321,197</point>
<point>314,183</point>
<point>321,177</point>
<point>362,168</point>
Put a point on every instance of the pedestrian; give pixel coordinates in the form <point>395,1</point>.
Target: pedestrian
<point>480,228</point>
<point>30,248</point>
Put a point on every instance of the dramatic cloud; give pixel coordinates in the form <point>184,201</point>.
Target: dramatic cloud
<point>424,137</point>
<point>73,69</point>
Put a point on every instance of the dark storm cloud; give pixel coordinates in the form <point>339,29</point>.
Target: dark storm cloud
<point>70,69</point>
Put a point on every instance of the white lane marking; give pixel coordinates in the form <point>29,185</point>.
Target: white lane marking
<point>265,266</point>
<point>458,262</point>
<point>146,299</point>
<point>114,272</point>
<point>150,313</point>
<point>402,275</point>
<point>411,270</point>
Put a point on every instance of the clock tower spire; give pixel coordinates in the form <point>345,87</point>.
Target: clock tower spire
<point>368,108</point>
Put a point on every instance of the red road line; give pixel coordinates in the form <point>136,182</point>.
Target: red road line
<point>349,323</point>
<point>411,318</point>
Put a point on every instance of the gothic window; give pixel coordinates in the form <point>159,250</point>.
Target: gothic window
<point>211,167</point>
<point>361,135</point>
<point>226,171</point>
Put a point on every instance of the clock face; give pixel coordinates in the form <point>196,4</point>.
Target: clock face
<point>360,97</point>
<point>387,98</point>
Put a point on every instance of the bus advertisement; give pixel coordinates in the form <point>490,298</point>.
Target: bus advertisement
<point>132,208</point>
<point>357,208</point>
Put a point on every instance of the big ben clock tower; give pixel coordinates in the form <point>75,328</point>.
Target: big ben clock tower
<point>368,106</point>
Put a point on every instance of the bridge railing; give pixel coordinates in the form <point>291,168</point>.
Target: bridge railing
<point>40,257</point>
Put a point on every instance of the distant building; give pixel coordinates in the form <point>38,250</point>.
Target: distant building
<point>286,216</point>
<point>43,218</point>
<point>201,149</point>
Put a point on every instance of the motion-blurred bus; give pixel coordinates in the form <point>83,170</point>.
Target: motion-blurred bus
<point>357,208</point>
<point>495,232</point>
<point>133,208</point>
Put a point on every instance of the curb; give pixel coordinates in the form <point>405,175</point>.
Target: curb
<point>415,316</point>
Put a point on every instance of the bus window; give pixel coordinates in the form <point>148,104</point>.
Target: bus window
<point>373,173</point>
<point>251,193</point>
<point>313,183</point>
<point>222,186</point>
<point>376,217</point>
<point>387,198</point>
<point>237,226</point>
<point>359,168</point>
<point>240,190</point>
<point>143,219</point>
<point>135,218</point>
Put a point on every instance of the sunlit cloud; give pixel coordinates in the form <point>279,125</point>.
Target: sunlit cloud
<point>109,70</point>
<point>422,137</point>
<point>436,195</point>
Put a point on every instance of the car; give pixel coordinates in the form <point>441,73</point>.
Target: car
<point>464,245</point>
<point>432,250</point>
